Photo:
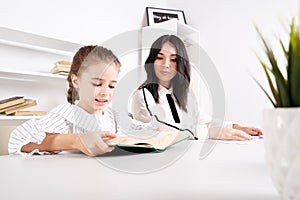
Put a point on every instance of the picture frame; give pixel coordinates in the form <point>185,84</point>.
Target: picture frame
<point>157,15</point>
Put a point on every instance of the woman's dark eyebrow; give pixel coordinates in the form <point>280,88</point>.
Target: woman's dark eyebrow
<point>163,54</point>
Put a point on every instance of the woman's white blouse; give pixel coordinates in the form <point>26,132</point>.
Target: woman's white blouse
<point>140,111</point>
<point>192,119</point>
<point>65,118</point>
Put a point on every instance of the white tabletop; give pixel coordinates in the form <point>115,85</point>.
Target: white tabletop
<point>229,171</point>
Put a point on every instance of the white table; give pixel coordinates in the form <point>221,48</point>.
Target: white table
<point>230,171</point>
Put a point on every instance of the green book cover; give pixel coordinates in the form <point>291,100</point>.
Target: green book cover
<point>157,143</point>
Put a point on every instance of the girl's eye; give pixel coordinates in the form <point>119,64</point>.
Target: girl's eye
<point>112,86</point>
<point>159,58</point>
<point>96,84</point>
<point>174,60</point>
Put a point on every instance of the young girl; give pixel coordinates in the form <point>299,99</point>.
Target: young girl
<point>168,80</point>
<point>81,126</point>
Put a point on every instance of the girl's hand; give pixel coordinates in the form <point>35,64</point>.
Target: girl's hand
<point>92,144</point>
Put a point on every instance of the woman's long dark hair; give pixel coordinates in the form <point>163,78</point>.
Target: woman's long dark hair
<point>181,82</point>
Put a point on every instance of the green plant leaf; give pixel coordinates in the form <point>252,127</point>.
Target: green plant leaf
<point>286,53</point>
<point>282,87</point>
<point>269,97</point>
<point>271,85</point>
<point>281,83</point>
<point>287,91</point>
<point>294,64</point>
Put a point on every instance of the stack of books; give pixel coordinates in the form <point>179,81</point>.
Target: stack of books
<point>61,67</point>
<point>15,105</point>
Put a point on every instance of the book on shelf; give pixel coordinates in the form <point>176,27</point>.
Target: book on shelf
<point>29,113</point>
<point>4,103</point>
<point>157,143</point>
<point>61,67</point>
<point>62,73</point>
<point>63,63</point>
<point>58,69</point>
<point>12,109</point>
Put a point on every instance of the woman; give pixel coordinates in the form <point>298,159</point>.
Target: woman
<point>168,80</point>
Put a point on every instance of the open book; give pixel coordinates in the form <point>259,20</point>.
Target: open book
<point>157,143</point>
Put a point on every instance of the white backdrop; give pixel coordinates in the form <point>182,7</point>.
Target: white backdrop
<point>226,32</point>
<point>228,35</point>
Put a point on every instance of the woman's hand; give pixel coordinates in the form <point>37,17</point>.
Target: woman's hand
<point>249,130</point>
<point>92,144</point>
<point>237,132</point>
<point>233,134</point>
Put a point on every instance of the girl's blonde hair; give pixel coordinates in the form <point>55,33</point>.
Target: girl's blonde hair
<point>83,58</point>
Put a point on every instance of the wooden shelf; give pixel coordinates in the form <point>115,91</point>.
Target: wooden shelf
<point>174,25</point>
<point>31,79</point>
<point>30,76</point>
<point>43,84</point>
<point>37,42</point>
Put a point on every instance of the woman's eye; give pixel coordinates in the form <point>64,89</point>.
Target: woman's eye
<point>159,58</point>
<point>174,60</point>
<point>112,86</point>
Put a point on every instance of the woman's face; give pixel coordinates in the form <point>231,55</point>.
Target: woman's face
<point>165,64</point>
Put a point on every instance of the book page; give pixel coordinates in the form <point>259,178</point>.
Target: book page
<point>128,141</point>
<point>164,140</point>
<point>160,141</point>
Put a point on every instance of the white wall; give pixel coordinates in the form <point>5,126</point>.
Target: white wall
<point>226,31</point>
<point>227,34</point>
<point>82,21</point>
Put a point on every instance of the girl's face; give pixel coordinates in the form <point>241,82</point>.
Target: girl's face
<point>95,87</point>
<point>165,64</point>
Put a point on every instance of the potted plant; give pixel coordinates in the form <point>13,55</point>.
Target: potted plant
<point>281,125</point>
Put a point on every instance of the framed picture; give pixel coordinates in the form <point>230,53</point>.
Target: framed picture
<point>157,15</point>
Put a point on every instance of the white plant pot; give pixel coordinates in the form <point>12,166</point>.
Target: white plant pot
<point>281,128</point>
